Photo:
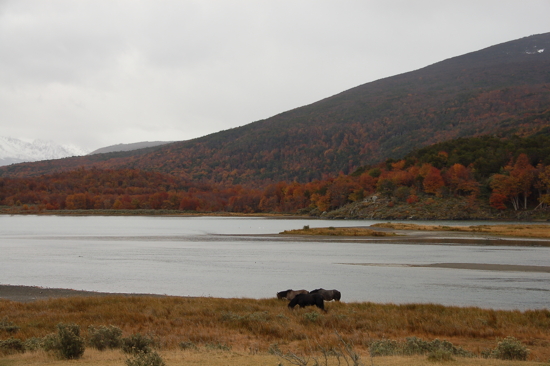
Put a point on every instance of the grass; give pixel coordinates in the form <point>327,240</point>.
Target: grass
<point>245,329</point>
<point>234,358</point>
<point>340,231</point>
<point>524,231</point>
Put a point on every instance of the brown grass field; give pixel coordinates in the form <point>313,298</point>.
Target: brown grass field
<point>522,231</point>
<point>337,231</point>
<point>246,328</point>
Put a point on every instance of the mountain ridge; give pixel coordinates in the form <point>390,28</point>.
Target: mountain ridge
<point>500,90</point>
<point>128,147</point>
<point>13,151</point>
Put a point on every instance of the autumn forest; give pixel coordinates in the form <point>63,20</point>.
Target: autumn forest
<point>465,168</point>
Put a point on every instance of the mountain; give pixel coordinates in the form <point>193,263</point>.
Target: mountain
<point>128,147</point>
<point>13,151</point>
<point>502,90</point>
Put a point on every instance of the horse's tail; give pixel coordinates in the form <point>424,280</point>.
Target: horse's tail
<point>337,295</point>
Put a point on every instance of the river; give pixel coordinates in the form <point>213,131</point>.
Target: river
<point>240,257</point>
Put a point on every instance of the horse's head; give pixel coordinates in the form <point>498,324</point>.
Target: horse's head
<point>282,294</point>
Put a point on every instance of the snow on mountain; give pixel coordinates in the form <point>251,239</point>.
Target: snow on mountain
<point>14,151</point>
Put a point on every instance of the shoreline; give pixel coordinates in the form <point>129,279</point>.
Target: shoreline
<point>464,266</point>
<point>21,293</point>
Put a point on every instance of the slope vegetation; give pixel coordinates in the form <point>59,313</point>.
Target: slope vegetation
<point>501,90</point>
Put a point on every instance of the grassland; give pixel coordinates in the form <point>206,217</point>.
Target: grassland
<point>517,230</point>
<point>238,358</point>
<point>337,231</point>
<point>241,331</point>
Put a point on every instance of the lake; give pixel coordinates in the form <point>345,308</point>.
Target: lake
<point>237,257</point>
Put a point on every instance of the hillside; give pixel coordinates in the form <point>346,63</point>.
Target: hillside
<point>501,90</point>
<point>128,147</point>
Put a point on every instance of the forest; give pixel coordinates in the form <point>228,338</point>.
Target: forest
<point>508,173</point>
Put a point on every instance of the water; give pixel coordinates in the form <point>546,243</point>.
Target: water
<point>234,257</point>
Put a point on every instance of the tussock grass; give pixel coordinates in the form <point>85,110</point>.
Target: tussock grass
<point>525,231</point>
<point>340,231</point>
<point>241,325</point>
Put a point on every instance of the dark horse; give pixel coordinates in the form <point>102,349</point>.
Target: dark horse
<point>290,294</point>
<point>304,300</point>
<point>328,295</point>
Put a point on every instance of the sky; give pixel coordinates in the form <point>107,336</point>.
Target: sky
<point>102,72</point>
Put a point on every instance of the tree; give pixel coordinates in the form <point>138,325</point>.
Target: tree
<point>460,180</point>
<point>543,184</point>
<point>515,181</point>
<point>524,173</point>
<point>433,181</point>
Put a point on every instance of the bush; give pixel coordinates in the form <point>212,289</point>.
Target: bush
<point>440,355</point>
<point>67,343</point>
<point>32,344</point>
<point>188,345</point>
<point>312,317</point>
<point>145,359</point>
<point>416,346</point>
<point>137,343</point>
<point>12,345</point>
<point>510,349</point>
<point>105,337</point>
<point>8,327</point>
<point>218,346</point>
<point>384,347</point>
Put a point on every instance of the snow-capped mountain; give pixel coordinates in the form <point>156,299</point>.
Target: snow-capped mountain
<point>14,151</point>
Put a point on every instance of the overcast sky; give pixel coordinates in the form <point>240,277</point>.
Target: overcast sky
<point>98,73</point>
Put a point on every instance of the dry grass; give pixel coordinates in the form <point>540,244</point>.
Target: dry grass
<point>340,231</point>
<point>249,326</point>
<point>524,231</point>
<point>234,358</point>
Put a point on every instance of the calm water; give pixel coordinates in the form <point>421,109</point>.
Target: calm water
<point>229,257</point>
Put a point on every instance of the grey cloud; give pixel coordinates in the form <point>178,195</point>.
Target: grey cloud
<point>98,73</point>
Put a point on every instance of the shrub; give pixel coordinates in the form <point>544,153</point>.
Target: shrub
<point>105,337</point>
<point>384,347</point>
<point>412,199</point>
<point>401,193</point>
<point>218,346</point>
<point>188,345</point>
<point>437,345</point>
<point>440,355</point>
<point>67,343</point>
<point>416,346</point>
<point>137,343</point>
<point>8,327</point>
<point>312,317</point>
<point>145,359</point>
<point>32,344</point>
<point>510,349</point>
<point>12,345</point>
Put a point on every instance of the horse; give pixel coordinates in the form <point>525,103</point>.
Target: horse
<point>328,295</point>
<point>290,294</point>
<point>304,300</point>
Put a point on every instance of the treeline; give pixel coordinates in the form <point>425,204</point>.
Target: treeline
<point>508,173</point>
